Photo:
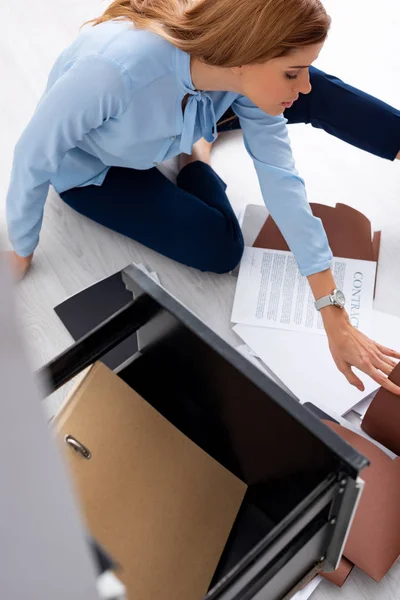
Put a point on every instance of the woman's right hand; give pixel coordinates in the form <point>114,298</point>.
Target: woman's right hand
<point>19,264</point>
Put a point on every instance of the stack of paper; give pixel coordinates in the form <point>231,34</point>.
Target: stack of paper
<point>275,316</point>
<point>361,408</point>
<point>110,588</point>
<point>306,592</point>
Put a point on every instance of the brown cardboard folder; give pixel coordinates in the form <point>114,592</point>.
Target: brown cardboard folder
<point>382,419</point>
<point>373,544</point>
<point>161,506</point>
<point>341,574</point>
<point>349,233</point>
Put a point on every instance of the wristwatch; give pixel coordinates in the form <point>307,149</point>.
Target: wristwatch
<point>337,298</point>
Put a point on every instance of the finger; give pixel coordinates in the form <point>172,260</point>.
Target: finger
<point>382,365</point>
<point>392,363</point>
<point>380,378</point>
<point>351,377</point>
<point>388,351</point>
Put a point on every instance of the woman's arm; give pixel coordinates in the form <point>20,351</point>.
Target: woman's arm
<point>92,90</point>
<point>349,346</point>
<point>268,144</point>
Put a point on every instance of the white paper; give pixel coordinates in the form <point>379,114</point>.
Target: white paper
<point>271,292</point>
<point>362,407</point>
<point>305,365</point>
<point>110,588</point>
<point>249,354</point>
<point>306,592</point>
<point>151,274</point>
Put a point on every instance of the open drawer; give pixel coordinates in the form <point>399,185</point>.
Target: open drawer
<point>303,480</point>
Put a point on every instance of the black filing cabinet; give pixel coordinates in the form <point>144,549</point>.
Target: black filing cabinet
<point>303,480</point>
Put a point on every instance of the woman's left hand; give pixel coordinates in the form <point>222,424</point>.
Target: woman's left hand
<point>352,348</point>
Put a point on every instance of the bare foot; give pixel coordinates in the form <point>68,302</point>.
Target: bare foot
<point>201,151</point>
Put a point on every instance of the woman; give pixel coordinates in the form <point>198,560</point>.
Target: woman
<point>151,80</point>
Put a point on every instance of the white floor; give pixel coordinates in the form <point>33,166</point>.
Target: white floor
<point>362,49</point>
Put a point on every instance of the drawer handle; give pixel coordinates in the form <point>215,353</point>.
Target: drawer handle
<point>78,447</point>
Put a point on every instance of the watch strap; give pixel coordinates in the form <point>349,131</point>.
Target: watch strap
<point>324,301</point>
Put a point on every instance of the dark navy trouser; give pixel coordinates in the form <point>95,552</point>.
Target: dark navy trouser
<point>193,222</point>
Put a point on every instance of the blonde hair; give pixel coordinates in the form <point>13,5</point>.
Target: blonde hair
<point>228,33</point>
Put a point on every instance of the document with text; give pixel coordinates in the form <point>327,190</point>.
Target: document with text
<point>271,292</point>
<point>304,364</point>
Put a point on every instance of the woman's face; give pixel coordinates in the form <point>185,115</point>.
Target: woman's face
<point>278,81</point>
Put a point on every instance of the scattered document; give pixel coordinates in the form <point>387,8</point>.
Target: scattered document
<point>307,591</point>
<point>110,588</point>
<point>271,292</point>
<point>151,274</point>
<point>249,354</point>
<point>362,407</point>
<point>303,362</point>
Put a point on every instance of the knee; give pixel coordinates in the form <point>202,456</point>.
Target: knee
<point>225,257</point>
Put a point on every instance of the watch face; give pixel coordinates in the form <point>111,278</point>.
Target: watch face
<point>340,298</point>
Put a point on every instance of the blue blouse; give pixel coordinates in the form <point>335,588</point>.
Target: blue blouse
<point>114,98</point>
